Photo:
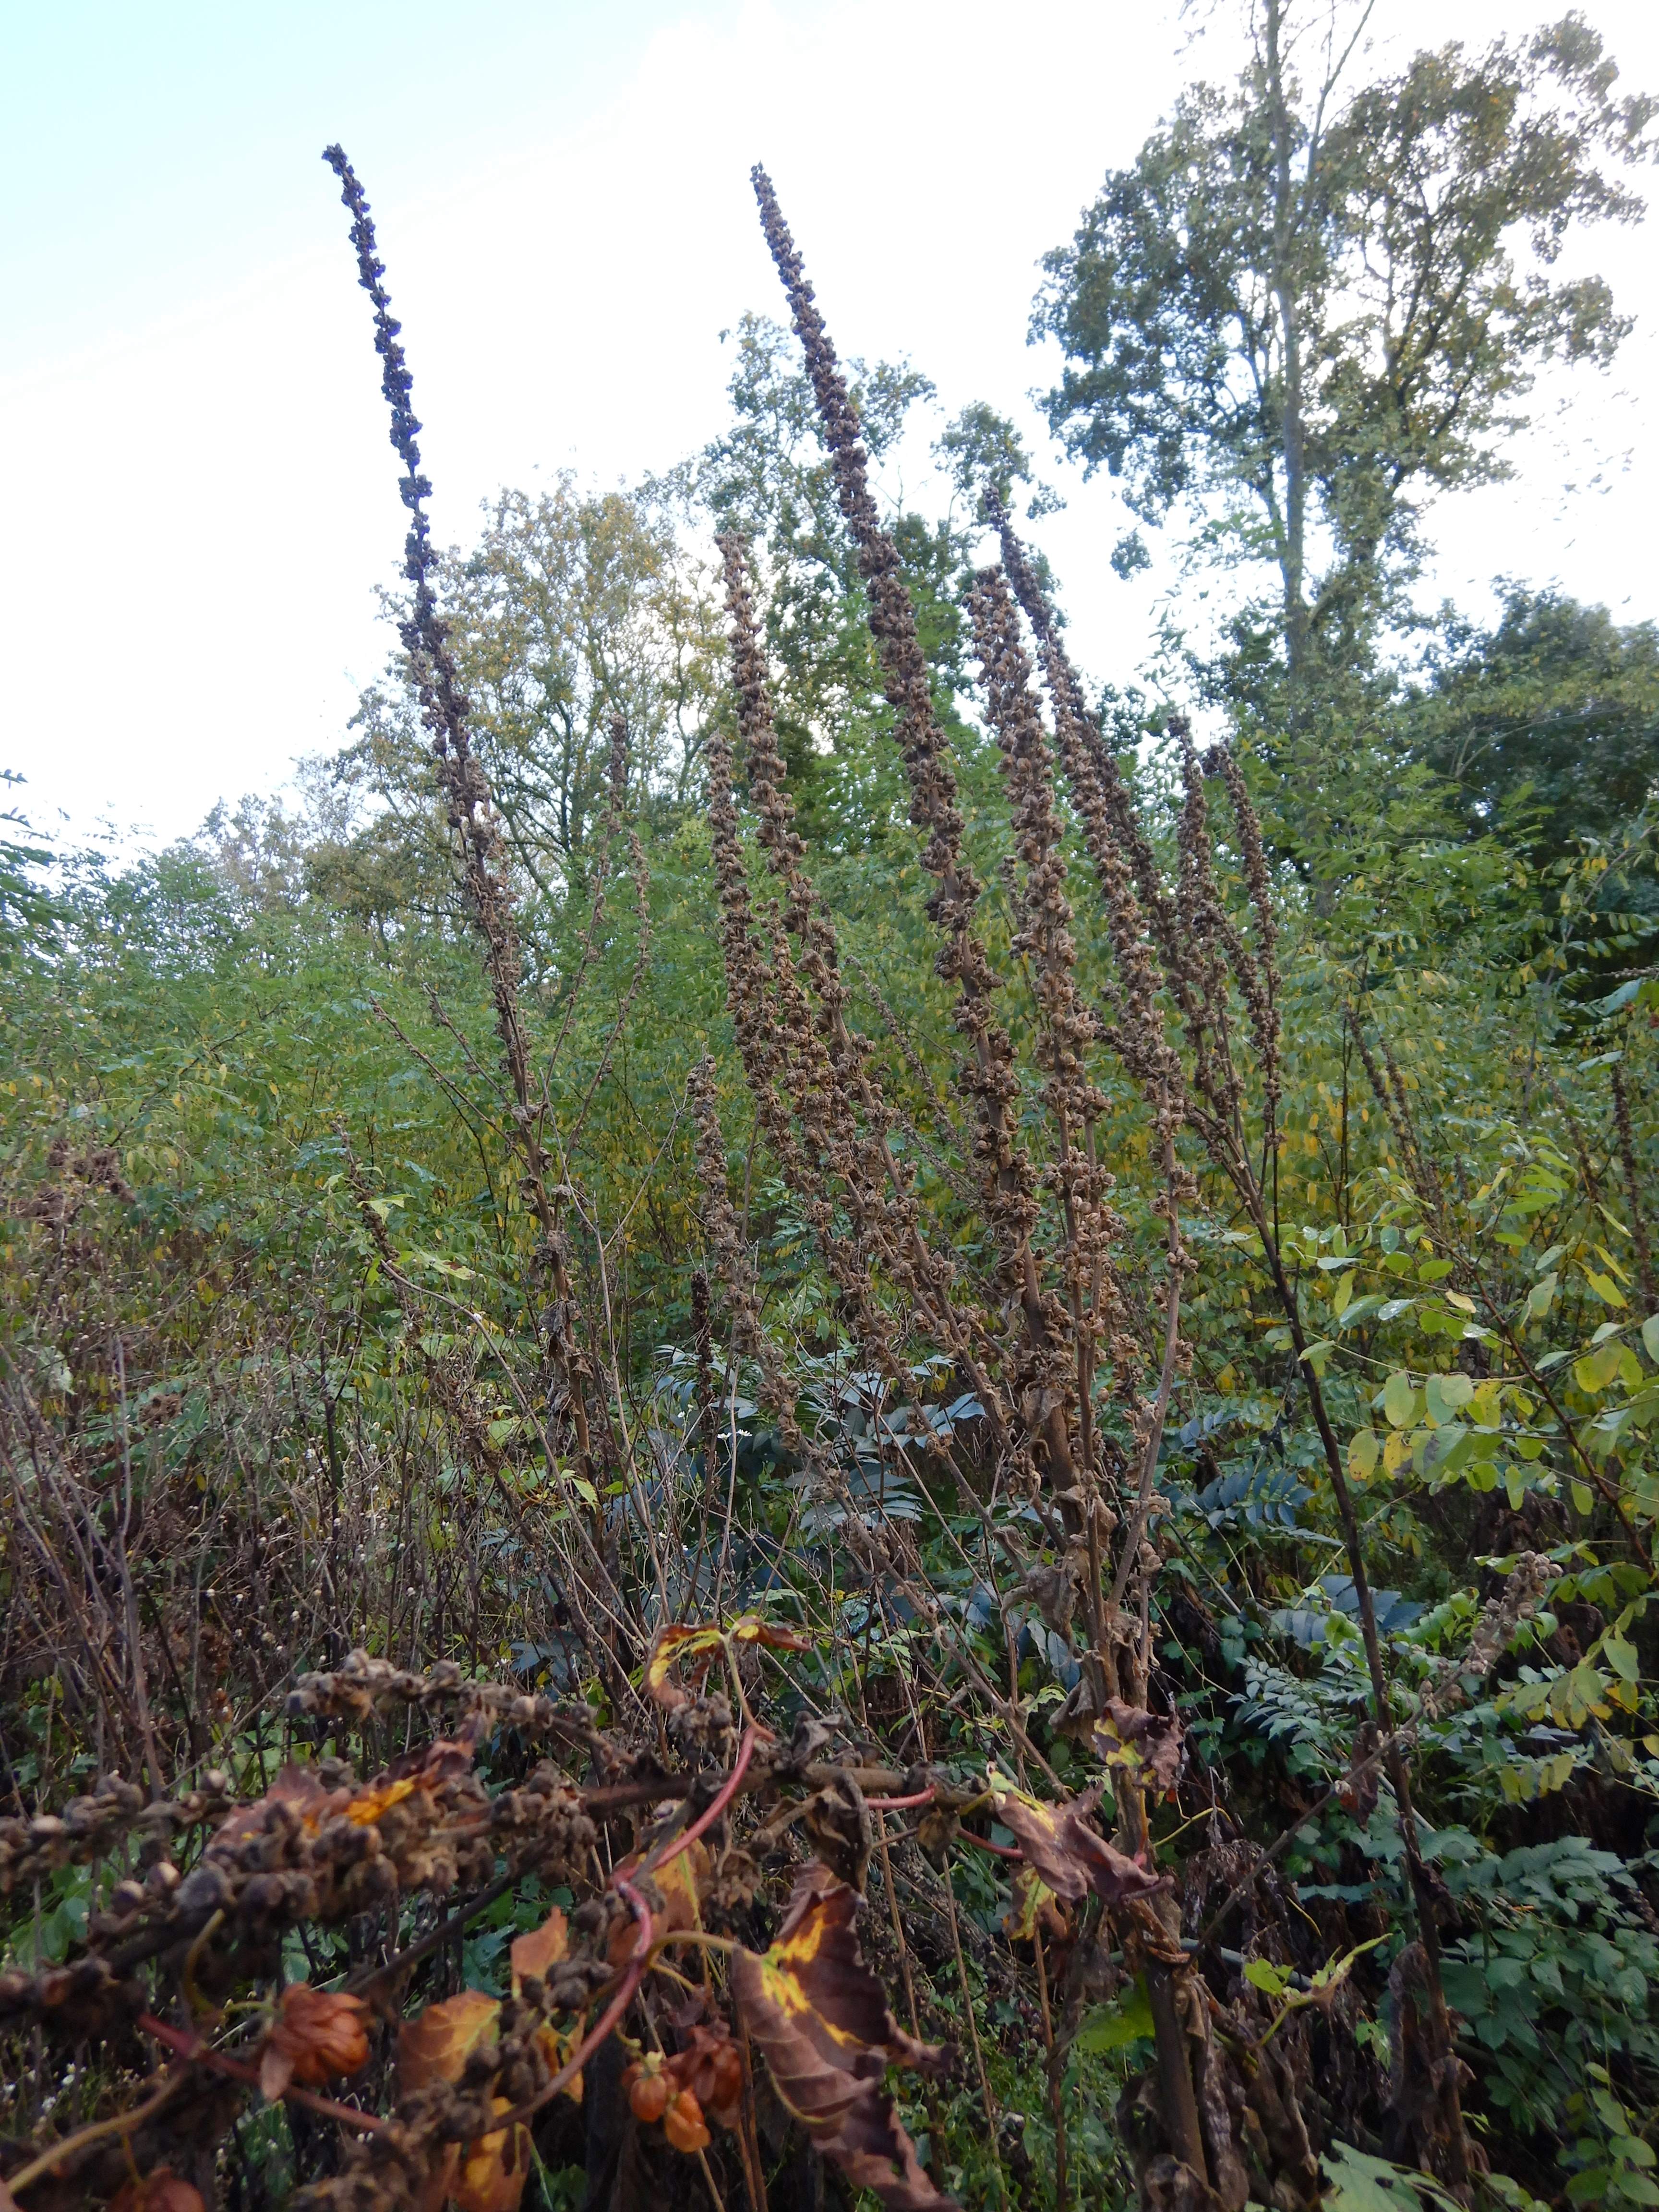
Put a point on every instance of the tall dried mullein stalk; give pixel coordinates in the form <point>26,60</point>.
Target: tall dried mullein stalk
<point>988,1078</point>
<point>1116,843</point>
<point>726,1248</point>
<point>1067,1030</point>
<point>845,1107</point>
<point>1204,957</point>
<point>784,1059</point>
<point>446,709</point>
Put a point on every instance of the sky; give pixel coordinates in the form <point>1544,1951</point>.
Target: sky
<point>199,498</point>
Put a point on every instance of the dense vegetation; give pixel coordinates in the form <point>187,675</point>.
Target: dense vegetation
<point>788,1415</point>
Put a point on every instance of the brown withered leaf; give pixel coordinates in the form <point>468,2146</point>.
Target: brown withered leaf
<point>838,1821</point>
<point>1070,1856</point>
<point>317,2036</point>
<point>682,1884</point>
<point>436,2044</point>
<point>1146,1745</point>
<point>936,1830</point>
<point>754,1628</point>
<point>538,1948</point>
<point>296,1786</point>
<point>367,1807</point>
<point>820,2017</point>
<point>489,2174</point>
<point>1033,1906</point>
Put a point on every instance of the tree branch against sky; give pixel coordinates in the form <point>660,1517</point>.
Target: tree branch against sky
<point>1315,301</point>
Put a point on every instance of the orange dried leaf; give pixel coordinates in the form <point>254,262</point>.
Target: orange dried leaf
<point>540,1948</point>
<point>822,2022</point>
<point>494,2169</point>
<point>685,1882</point>
<point>557,2049</point>
<point>368,1806</point>
<point>436,2045</point>
<point>682,1641</point>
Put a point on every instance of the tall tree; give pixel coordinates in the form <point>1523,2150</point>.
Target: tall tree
<point>569,609</point>
<point>1548,723</point>
<point>1311,304</point>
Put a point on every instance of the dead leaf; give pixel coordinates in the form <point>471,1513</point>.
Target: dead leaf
<point>317,2036</point>
<point>752,1628</point>
<point>494,2169</point>
<point>1070,1856</point>
<point>296,1786</point>
<point>558,2049</point>
<point>673,1645</point>
<point>821,2018</point>
<point>700,1641</point>
<point>1146,1745</point>
<point>838,1821</point>
<point>367,1808</point>
<point>1032,1907</point>
<point>936,1830</point>
<point>541,1948</point>
<point>436,2045</point>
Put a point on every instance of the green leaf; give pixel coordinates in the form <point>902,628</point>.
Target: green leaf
<point>1605,1288</point>
<point>1446,1396</point>
<point>1111,2026</point>
<point>1398,1399</point>
<point>1650,1336</point>
<point>1621,1656</point>
<point>1364,1452</point>
<point>1597,1369</point>
<point>1359,2184</point>
<point>1262,1974</point>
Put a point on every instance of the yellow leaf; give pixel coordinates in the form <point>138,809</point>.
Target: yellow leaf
<point>494,2170</point>
<point>436,2045</point>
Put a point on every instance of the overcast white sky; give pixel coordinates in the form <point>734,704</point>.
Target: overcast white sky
<point>199,498</point>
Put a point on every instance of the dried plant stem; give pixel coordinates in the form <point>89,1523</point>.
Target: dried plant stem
<point>1639,1225</point>
<point>973,2034</point>
<point>444,709</point>
<point>988,1076</point>
<point>120,2123</point>
<point>1056,2051</point>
